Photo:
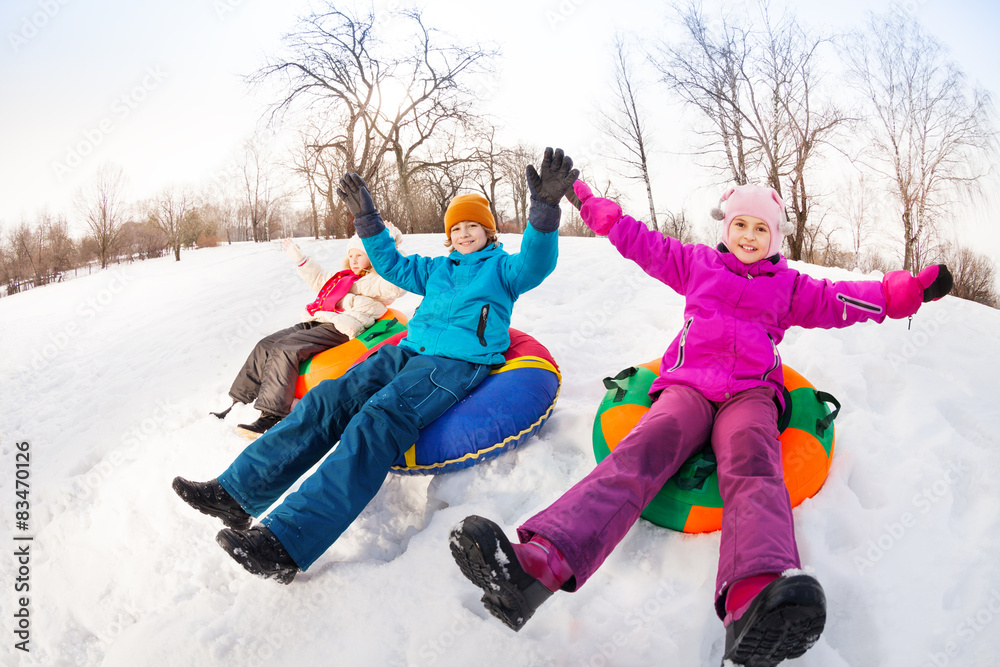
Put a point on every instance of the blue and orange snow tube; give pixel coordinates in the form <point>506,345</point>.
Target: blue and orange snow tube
<point>690,500</point>
<point>333,363</point>
<point>506,409</point>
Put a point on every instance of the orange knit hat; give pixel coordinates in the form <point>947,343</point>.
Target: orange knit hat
<point>469,208</point>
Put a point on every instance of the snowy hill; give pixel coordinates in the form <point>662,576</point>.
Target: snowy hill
<point>110,378</point>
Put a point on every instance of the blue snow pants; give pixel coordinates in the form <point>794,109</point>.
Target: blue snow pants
<point>375,411</point>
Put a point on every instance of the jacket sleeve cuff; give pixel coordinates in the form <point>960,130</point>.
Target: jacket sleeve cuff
<point>369,225</point>
<point>903,294</point>
<point>543,216</point>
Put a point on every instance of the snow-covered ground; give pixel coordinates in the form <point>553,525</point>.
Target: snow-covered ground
<point>109,379</point>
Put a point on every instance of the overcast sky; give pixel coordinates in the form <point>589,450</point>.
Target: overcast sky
<point>157,87</point>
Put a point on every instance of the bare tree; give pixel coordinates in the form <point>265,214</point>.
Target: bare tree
<point>801,123</point>
<point>143,240</point>
<point>706,72</point>
<point>975,277</point>
<point>488,169</point>
<point>390,98</point>
<point>9,274</point>
<point>35,255</point>
<point>102,205</point>
<point>758,88</point>
<point>516,160</point>
<point>324,164</point>
<point>168,212</point>
<point>817,243</point>
<point>626,125</point>
<point>436,100</point>
<point>60,248</point>
<point>222,211</point>
<point>445,183</point>
<point>857,206</point>
<point>678,226</point>
<point>929,131</point>
<point>27,251</point>
<point>258,190</point>
<point>304,162</point>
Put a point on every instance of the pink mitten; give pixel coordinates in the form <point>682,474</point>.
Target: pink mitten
<point>904,293</point>
<point>598,213</point>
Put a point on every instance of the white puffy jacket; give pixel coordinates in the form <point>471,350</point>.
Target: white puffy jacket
<point>367,301</point>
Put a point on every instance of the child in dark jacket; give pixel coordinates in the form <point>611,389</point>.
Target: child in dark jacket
<point>377,409</point>
<point>721,383</point>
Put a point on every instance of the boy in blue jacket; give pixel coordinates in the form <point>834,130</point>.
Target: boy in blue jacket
<point>377,408</point>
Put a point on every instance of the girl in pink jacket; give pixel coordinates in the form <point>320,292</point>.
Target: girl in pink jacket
<point>721,381</point>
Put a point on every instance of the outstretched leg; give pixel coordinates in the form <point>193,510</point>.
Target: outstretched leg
<point>565,543</point>
<point>281,370</point>
<point>758,535</point>
<point>590,519</point>
<point>768,618</point>
<point>247,382</point>
<point>310,519</point>
<point>271,464</point>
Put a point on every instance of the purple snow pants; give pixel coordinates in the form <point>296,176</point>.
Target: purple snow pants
<point>758,537</point>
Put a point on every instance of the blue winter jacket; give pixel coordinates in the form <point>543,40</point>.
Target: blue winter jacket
<point>468,299</point>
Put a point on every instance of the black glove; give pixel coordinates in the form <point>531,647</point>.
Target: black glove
<point>936,283</point>
<point>555,178</point>
<point>355,194</point>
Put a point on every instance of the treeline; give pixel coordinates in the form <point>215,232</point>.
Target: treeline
<point>913,135</point>
<point>43,250</point>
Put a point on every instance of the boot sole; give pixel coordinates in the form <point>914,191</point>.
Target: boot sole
<point>474,545</point>
<point>248,434</point>
<point>788,627</point>
<point>232,544</point>
<point>191,497</point>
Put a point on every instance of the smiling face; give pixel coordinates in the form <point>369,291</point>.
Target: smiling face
<point>749,238</point>
<point>358,260</point>
<point>468,237</point>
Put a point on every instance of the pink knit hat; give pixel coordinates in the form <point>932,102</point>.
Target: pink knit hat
<point>759,202</point>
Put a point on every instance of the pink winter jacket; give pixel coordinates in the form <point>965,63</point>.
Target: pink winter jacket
<point>735,314</point>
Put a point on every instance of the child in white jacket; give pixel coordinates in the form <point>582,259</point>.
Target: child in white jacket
<point>347,303</point>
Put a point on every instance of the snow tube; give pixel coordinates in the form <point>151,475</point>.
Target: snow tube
<point>690,500</point>
<point>506,409</point>
<point>334,362</point>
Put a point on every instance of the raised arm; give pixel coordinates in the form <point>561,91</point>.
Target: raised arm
<point>539,245</point>
<point>406,272</point>
<point>828,305</point>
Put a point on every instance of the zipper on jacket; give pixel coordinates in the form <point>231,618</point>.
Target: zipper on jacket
<point>777,359</point>
<point>481,329</point>
<point>680,349</point>
<point>858,303</point>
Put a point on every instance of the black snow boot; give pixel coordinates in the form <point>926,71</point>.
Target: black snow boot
<point>782,622</point>
<point>259,552</point>
<point>259,427</point>
<point>211,499</point>
<point>486,557</point>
